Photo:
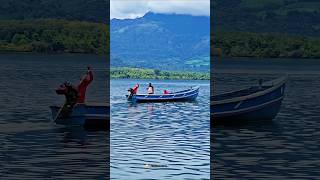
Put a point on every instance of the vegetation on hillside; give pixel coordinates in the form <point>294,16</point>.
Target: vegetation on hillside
<point>244,44</point>
<point>137,73</point>
<point>49,35</point>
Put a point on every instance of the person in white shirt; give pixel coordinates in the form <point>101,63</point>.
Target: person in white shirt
<point>150,89</point>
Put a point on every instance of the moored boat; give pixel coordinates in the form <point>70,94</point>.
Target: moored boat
<point>185,95</point>
<point>260,102</point>
<point>83,115</point>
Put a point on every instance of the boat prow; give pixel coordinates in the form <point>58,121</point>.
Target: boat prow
<point>89,115</point>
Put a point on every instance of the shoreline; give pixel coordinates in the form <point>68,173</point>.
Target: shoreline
<point>160,79</point>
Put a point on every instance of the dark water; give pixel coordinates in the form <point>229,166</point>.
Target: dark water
<point>32,146</point>
<point>288,146</point>
<point>160,140</point>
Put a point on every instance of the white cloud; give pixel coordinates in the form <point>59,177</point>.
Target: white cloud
<point>136,8</point>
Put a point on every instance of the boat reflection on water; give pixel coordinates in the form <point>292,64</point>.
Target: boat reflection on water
<point>80,134</point>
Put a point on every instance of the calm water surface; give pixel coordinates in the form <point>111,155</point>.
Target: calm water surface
<point>160,140</point>
<point>32,146</point>
<point>288,146</point>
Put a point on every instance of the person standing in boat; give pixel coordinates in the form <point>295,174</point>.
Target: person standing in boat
<point>150,89</point>
<point>83,85</point>
<point>133,90</point>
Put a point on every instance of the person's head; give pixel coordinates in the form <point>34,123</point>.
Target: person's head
<point>150,84</point>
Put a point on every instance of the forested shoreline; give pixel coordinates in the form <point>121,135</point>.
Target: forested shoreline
<point>265,45</point>
<point>138,73</point>
<point>53,36</point>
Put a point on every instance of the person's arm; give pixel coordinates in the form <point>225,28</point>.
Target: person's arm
<point>89,76</point>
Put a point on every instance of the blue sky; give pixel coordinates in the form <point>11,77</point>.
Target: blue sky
<point>122,9</point>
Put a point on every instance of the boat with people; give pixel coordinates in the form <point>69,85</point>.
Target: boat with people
<point>189,94</point>
<point>256,103</point>
<point>75,111</point>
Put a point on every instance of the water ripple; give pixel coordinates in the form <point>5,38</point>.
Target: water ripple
<point>159,140</point>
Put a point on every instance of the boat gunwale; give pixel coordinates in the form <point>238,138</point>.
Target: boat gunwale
<point>84,104</point>
<point>164,99</point>
<point>246,110</point>
<point>279,82</point>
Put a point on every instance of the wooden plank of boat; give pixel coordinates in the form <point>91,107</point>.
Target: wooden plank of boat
<point>185,95</point>
<point>254,103</point>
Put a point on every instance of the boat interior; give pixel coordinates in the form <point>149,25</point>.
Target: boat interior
<point>170,93</point>
<point>239,93</point>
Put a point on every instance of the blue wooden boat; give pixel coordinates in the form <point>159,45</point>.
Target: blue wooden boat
<point>83,115</point>
<point>185,95</point>
<point>261,102</point>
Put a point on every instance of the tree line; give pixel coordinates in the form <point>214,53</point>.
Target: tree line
<point>52,36</point>
<point>137,73</point>
<point>268,45</point>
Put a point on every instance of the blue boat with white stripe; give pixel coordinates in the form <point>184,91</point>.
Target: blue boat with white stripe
<point>185,95</point>
<point>261,102</point>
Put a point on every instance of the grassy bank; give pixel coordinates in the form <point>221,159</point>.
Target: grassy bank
<point>53,36</point>
<point>136,73</point>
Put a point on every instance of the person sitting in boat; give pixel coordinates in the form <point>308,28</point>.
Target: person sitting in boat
<point>71,94</point>
<point>150,89</point>
<point>165,92</point>
<point>83,85</point>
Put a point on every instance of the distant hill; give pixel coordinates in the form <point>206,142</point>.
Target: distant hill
<point>82,10</point>
<point>296,17</point>
<point>162,41</point>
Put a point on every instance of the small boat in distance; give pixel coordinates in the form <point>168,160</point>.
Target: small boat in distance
<point>260,102</point>
<point>83,115</point>
<point>185,95</point>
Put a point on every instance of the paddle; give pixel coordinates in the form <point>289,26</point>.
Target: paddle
<point>58,113</point>
<point>63,110</point>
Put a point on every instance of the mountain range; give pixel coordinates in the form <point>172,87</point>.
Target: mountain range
<point>161,41</point>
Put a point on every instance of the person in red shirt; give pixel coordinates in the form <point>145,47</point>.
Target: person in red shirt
<point>84,83</point>
<point>135,89</point>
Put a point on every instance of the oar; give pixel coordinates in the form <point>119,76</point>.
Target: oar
<point>59,112</point>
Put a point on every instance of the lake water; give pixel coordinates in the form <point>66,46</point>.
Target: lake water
<point>288,146</point>
<point>159,140</point>
<point>32,145</point>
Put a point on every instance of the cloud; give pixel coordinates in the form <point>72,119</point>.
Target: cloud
<point>122,9</point>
